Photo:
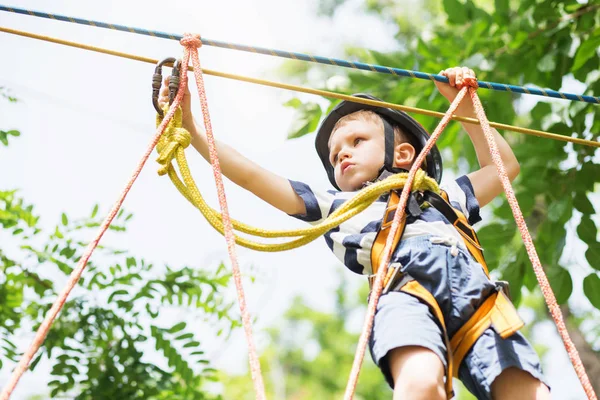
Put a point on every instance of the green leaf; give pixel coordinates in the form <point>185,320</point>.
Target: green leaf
<point>586,230</point>
<point>540,110</point>
<point>559,208</point>
<point>177,327</point>
<point>185,336</point>
<point>3,138</point>
<point>561,283</point>
<point>593,255</point>
<point>456,11</point>
<point>310,114</point>
<point>591,288</point>
<point>120,292</point>
<point>583,203</point>
<point>94,211</point>
<point>293,103</point>
<point>65,220</point>
<point>13,133</point>
<point>586,50</point>
<point>496,234</point>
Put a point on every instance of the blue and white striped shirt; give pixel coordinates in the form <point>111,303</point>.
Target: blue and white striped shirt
<point>352,240</point>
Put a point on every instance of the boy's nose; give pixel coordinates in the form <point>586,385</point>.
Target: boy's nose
<point>344,153</point>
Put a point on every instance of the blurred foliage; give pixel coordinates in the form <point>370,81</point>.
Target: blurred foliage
<point>100,346</point>
<point>115,337</point>
<point>541,43</point>
<point>97,346</point>
<point>544,43</point>
<point>311,354</point>
<point>4,135</point>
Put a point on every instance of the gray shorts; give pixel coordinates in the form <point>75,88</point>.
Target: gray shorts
<point>459,285</point>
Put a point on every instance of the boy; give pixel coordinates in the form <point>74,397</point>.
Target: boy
<point>360,144</point>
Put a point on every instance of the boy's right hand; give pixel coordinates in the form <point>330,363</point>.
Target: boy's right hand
<point>186,108</point>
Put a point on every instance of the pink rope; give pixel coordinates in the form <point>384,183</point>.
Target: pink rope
<point>387,250</point>
<point>42,331</point>
<point>535,261</point>
<point>191,43</point>
<point>528,242</point>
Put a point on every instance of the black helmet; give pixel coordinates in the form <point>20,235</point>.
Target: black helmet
<point>390,117</point>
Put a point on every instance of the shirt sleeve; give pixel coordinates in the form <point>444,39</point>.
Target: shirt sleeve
<point>462,196</point>
<point>317,203</point>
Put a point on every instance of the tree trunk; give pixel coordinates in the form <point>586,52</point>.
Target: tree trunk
<point>589,357</point>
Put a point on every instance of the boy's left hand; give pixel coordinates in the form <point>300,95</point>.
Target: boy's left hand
<point>457,77</point>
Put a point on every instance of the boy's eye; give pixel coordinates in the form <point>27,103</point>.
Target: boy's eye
<point>357,141</point>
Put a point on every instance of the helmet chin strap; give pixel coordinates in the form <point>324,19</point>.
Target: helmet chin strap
<point>388,135</point>
<point>388,162</point>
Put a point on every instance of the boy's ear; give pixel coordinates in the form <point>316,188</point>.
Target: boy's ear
<point>404,155</point>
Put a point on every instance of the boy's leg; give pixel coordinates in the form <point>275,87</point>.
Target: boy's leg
<point>407,345</point>
<point>514,383</point>
<point>418,373</point>
<point>497,368</point>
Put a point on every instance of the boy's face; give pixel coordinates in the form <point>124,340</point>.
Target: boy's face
<point>356,152</point>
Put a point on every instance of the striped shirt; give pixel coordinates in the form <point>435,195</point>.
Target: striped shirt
<point>352,240</point>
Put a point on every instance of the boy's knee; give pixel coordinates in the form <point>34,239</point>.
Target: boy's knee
<point>418,374</point>
<point>424,386</point>
<point>516,382</point>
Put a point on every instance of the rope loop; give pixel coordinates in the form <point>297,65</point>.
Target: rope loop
<point>191,40</point>
<point>470,82</point>
<point>174,138</point>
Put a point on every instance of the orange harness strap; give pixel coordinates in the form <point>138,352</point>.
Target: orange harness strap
<point>384,230</point>
<point>496,310</point>
<point>468,234</point>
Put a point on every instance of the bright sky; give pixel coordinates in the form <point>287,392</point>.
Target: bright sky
<point>86,118</point>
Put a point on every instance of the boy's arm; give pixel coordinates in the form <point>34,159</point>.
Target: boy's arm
<point>263,183</point>
<point>268,186</point>
<point>485,181</point>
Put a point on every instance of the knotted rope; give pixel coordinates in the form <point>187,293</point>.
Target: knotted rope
<point>176,139</point>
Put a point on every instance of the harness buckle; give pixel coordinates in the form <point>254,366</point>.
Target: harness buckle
<point>173,82</point>
<point>504,287</point>
<point>391,278</point>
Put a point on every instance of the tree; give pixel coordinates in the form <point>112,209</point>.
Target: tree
<point>545,43</point>
<point>311,353</point>
<point>98,346</point>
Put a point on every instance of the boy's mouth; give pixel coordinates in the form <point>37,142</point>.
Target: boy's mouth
<point>345,165</point>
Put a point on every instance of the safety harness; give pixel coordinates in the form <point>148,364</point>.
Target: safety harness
<point>497,310</point>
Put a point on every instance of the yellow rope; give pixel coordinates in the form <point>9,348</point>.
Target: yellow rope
<point>318,92</point>
<point>175,139</point>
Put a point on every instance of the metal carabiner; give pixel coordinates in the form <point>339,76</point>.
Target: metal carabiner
<point>173,82</point>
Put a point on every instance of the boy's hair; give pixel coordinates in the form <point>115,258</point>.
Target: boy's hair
<point>370,116</point>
